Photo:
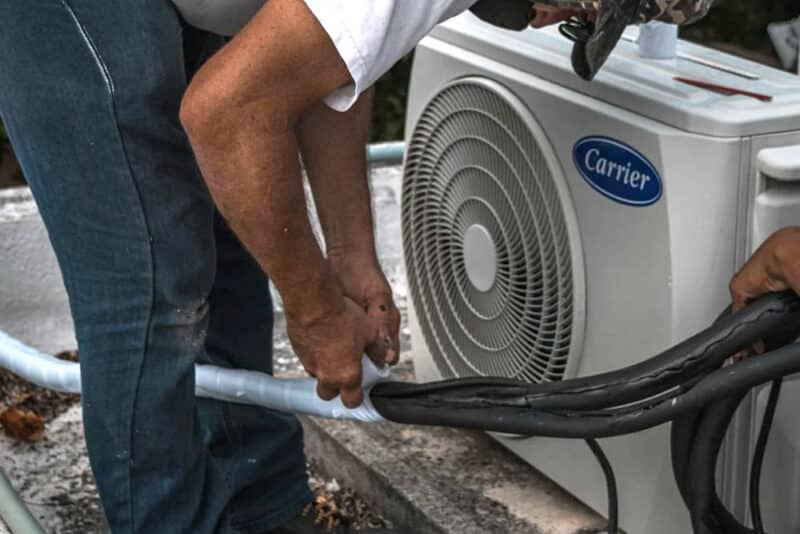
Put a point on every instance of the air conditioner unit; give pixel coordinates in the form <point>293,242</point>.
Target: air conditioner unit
<point>555,228</point>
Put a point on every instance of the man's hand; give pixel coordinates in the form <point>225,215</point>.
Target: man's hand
<point>363,282</point>
<point>331,346</point>
<point>337,170</point>
<point>546,15</point>
<point>774,267</point>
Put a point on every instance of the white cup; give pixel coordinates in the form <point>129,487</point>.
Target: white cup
<point>658,40</point>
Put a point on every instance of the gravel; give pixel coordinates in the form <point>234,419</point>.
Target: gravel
<point>55,479</point>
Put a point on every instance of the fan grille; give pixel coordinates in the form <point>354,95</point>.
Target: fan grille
<point>474,161</point>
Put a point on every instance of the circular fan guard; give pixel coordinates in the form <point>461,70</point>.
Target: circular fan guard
<point>478,160</point>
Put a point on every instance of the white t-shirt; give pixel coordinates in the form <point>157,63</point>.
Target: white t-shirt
<point>370,35</point>
<point>225,17</point>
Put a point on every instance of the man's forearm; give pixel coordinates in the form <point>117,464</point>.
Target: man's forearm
<point>270,218</point>
<point>333,148</point>
<point>264,203</point>
<point>241,112</point>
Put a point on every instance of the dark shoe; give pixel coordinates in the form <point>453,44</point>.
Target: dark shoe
<point>320,518</point>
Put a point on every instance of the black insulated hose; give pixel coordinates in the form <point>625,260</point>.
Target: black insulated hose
<point>691,385</point>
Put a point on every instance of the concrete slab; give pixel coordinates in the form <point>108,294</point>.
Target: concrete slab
<point>444,481</point>
<point>54,478</point>
<point>34,301</point>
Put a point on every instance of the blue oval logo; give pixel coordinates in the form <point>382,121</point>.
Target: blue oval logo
<point>617,171</point>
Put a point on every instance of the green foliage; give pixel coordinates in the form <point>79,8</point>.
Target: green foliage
<point>742,22</point>
<point>389,112</point>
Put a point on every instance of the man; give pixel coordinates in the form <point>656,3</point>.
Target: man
<point>90,93</point>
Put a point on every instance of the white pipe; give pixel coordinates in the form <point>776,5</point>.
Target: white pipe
<point>295,395</point>
<point>41,369</point>
<point>386,153</point>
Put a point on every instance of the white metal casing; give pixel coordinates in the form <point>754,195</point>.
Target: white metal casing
<point>654,275</point>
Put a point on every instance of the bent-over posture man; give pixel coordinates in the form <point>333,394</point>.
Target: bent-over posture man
<point>92,94</point>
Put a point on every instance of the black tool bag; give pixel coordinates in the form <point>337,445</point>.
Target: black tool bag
<point>596,36</point>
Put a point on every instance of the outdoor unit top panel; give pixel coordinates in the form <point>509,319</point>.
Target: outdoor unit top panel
<point>643,86</point>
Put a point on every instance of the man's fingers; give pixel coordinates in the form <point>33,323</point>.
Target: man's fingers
<point>386,349</point>
<point>349,387</point>
<point>748,284</point>
<point>738,297</point>
<point>352,397</point>
<point>741,355</point>
<point>378,349</point>
<point>751,283</point>
<point>393,354</point>
<point>345,382</point>
<point>759,347</point>
<point>545,15</point>
<point>326,392</point>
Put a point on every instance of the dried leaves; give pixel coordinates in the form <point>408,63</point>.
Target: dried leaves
<point>341,507</point>
<point>21,424</point>
<point>68,355</point>
<point>26,408</point>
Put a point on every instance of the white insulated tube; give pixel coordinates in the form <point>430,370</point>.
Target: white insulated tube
<point>294,395</point>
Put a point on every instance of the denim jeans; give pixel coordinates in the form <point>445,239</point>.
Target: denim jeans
<point>89,93</point>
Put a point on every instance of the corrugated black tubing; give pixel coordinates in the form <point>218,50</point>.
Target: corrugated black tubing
<point>693,385</point>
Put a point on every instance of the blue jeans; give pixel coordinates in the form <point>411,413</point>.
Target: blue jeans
<point>89,93</point>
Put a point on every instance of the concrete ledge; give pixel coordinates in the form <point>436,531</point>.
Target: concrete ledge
<point>444,481</point>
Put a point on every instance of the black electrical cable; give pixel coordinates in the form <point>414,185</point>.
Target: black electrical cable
<point>695,442</point>
<point>704,511</point>
<point>758,456</point>
<point>688,385</point>
<point>703,352</point>
<point>715,387</point>
<point>611,485</point>
<point>512,420</point>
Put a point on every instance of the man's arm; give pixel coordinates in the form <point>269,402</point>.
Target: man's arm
<point>241,112</point>
<point>333,148</point>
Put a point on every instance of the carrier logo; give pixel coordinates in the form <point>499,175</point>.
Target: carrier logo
<point>617,171</point>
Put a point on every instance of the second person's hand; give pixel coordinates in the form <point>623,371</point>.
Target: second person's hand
<point>774,267</point>
<point>547,15</point>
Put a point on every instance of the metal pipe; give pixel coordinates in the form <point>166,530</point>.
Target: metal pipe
<point>13,510</point>
<point>41,369</point>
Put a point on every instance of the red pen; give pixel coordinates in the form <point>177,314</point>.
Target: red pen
<point>723,89</point>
